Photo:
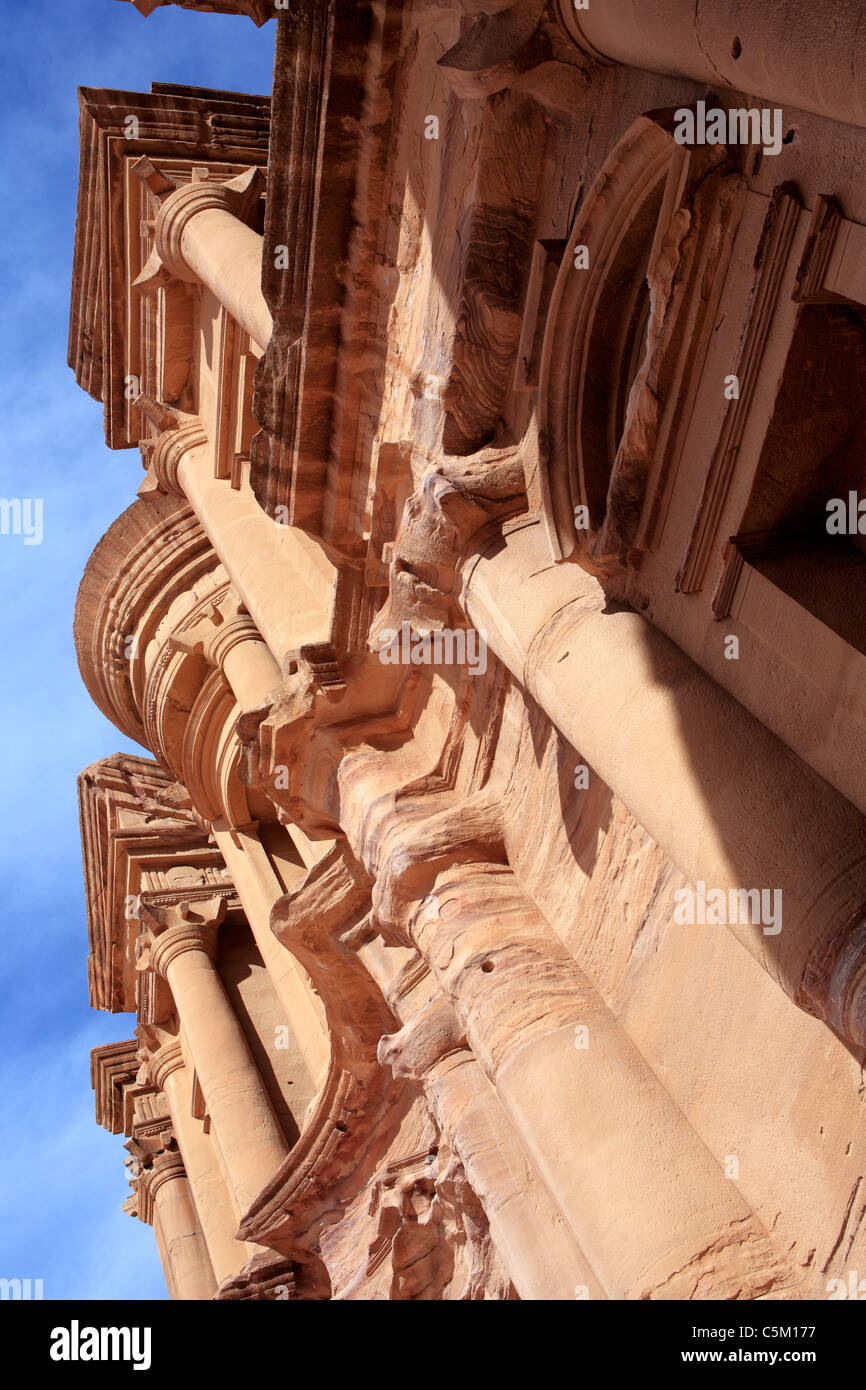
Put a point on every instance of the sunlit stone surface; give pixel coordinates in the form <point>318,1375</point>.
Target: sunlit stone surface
<point>493,908</point>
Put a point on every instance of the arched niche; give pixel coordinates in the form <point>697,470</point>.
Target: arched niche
<point>628,326</point>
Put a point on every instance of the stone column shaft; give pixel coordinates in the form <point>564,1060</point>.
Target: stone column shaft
<point>283,577</point>
<point>228,638</point>
<point>213,1198</point>
<point>259,888</point>
<point>179,1237</point>
<point>807,56</point>
<point>252,672</point>
<point>536,1246</point>
<point>645,1199</point>
<point>284,580</point>
<point>726,800</point>
<point>226,256</point>
<point>199,238</point>
<point>245,1127</point>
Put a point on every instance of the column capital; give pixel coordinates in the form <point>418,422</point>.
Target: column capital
<point>166,1167</point>
<point>161,1064</point>
<point>192,936</point>
<point>223,624</point>
<point>173,928</point>
<point>238,197</point>
<point>177,434</point>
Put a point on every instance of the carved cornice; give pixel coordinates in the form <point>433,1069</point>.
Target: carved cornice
<point>219,130</point>
<point>271,1276</point>
<point>113,1067</point>
<point>833,266</point>
<point>132,816</point>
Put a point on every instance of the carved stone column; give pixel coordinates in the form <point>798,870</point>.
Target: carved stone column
<point>597,1124</point>
<point>201,237</point>
<point>284,579</point>
<point>726,800</point>
<point>185,1257</point>
<point>259,888</point>
<point>811,56</point>
<point>543,1259</point>
<point>229,639</point>
<point>245,1127</point>
<point>213,1200</point>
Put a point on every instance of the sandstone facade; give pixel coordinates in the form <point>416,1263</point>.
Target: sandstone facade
<point>493,909</point>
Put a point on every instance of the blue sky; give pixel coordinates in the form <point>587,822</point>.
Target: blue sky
<point>62,1180</point>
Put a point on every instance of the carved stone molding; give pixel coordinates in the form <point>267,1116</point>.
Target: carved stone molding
<point>518,47</point>
<point>163,1062</point>
<point>772,266</point>
<point>454,506</point>
<point>359,1103</point>
<point>176,434</point>
<point>616,377</point>
<point>215,628</point>
<point>269,1276</point>
<point>833,266</point>
<point>113,1068</point>
<point>191,925</point>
